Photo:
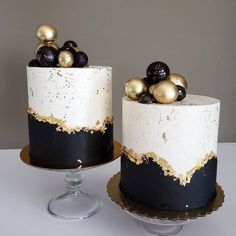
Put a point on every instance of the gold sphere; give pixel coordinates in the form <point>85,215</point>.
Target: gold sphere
<point>65,59</point>
<point>165,92</point>
<point>41,44</point>
<point>178,79</point>
<point>134,87</point>
<point>46,33</point>
<point>151,88</point>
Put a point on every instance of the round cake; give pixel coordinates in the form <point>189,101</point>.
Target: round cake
<point>70,116</point>
<point>169,158</point>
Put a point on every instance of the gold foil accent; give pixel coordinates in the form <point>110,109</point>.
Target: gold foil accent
<point>61,126</point>
<point>126,204</point>
<point>166,167</point>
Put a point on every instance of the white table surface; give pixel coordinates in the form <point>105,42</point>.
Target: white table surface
<point>25,192</point>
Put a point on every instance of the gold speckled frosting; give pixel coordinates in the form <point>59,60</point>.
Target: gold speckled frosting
<point>61,126</point>
<point>166,167</point>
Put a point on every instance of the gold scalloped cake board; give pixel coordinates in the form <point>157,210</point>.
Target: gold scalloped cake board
<point>119,198</point>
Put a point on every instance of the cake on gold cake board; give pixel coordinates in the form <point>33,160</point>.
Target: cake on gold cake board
<point>69,119</point>
<point>169,154</point>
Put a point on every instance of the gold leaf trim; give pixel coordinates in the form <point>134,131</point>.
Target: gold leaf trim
<point>62,127</point>
<point>166,167</point>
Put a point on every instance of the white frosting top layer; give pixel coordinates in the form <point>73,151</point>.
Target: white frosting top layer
<point>182,133</point>
<point>78,96</point>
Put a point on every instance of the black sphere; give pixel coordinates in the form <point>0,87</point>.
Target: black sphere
<point>34,63</point>
<point>68,48</point>
<point>70,43</point>
<point>146,98</point>
<point>80,59</point>
<point>47,56</point>
<point>181,94</point>
<point>158,71</point>
<point>149,81</point>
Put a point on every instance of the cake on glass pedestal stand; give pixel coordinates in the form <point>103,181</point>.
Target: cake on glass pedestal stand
<point>160,222</point>
<point>75,203</point>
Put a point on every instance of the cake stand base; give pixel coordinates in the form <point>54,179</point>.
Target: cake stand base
<point>76,203</point>
<point>159,227</point>
<point>161,230</point>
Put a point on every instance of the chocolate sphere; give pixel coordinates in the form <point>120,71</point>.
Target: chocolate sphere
<point>134,87</point>
<point>65,59</point>
<point>70,43</point>
<point>34,63</point>
<point>41,44</point>
<point>165,92</point>
<point>68,48</point>
<point>81,59</point>
<point>148,81</point>
<point>158,71</point>
<point>46,33</point>
<point>181,94</point>
<point>47,56</point>
<point>178,79</point>
<point>154,79</point>
<point>146,98</point>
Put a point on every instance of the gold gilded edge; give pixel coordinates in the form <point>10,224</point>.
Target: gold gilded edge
<point>62,127</point>
<point>166,167</point>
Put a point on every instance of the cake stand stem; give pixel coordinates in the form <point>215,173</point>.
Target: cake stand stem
<point>159,229</point>
<point>76,203</point>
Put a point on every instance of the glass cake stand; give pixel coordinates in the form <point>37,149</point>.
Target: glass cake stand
<point>75,203</point>
<point>159,227</point>
<point>160,222</point>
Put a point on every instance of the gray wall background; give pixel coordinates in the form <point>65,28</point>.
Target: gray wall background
<point>195,38</point>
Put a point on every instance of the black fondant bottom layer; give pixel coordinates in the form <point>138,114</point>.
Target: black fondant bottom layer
<point>55,149</point>
<point>146,184</point>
